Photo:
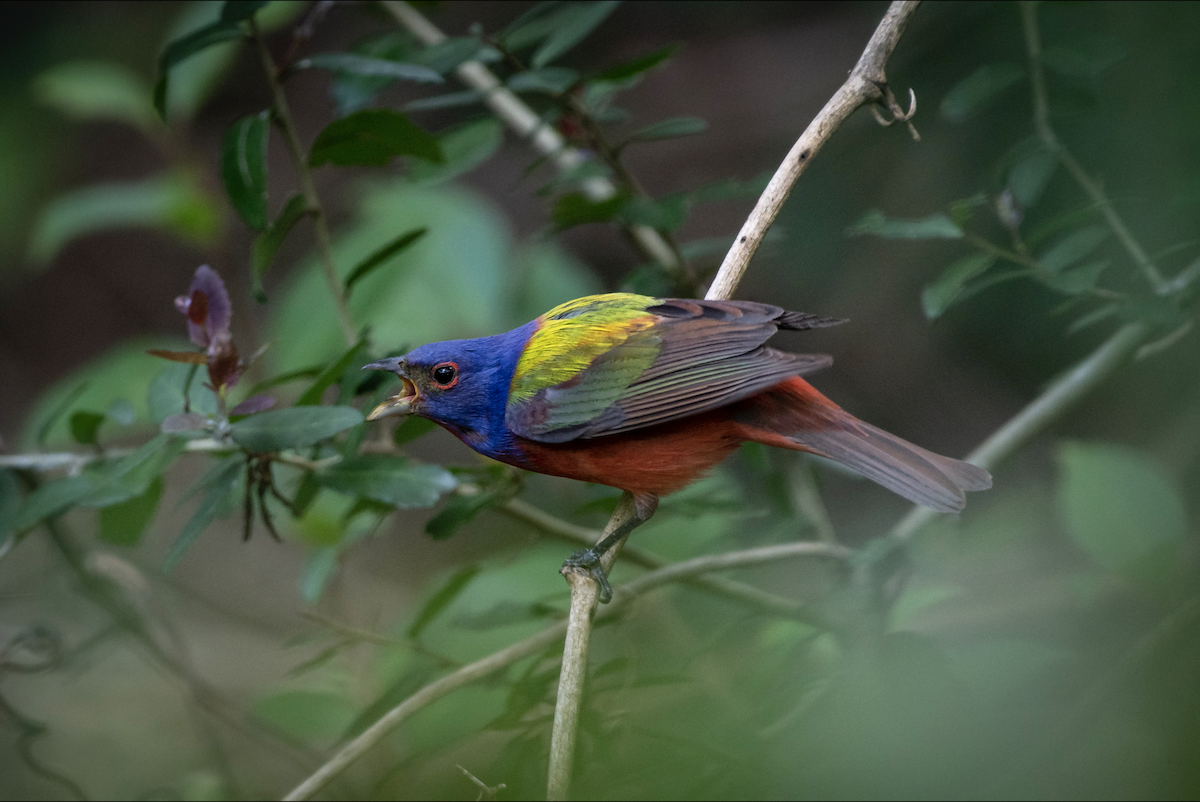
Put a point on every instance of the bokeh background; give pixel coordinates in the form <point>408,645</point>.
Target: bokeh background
<point>1019,656</point>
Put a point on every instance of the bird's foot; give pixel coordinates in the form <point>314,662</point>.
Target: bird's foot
<point>589,560</point>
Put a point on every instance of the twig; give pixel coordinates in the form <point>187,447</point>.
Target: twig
<point>1041,122</point>
<point>760,600</point>
<point>863,86</point>
<point>1041,412</point>
<point>480,669</point>
<point>528,125</point>
<point>320,225</point>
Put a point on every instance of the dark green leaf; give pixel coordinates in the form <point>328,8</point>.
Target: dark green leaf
<point>10,505</point>
<point>937,297</point>
<point>382,255</point>
<point>978,89</point>
<point>461,510</point>
<point>320,566</point>
<point>84,425</point>
<point>550,80</point>
<point>306,715</point>
<point>1093,317</point>
<point>224,484</point>
<point>411,428</point>
<point>1072,248</point>
<point>669,129</point>
<point>129,476</point>
<point>174,202</point>
<point>166,394</point>
<point>637,66</point>
<point>731,189</point>
<point>449,54</point>
<point>120,411</point>
<point>278,429</point>
<point>575,208</point>
<point>306,491</point>
<point>467,97</point>
<point>178,50</point>
<point>1155,310</point>
<point>666,214</point>
<point>1078,279</point>
<point>936,226</point>
<point>51,499</point>
<point>331,374</point>
<point>122,524</point>
<point>1029,177</point>
<point>533,25</point>
<point>506,613</point>
<point>373,137</point>
<point>465,147</point>
<point>244,168</point>
<point>961,211</point>
<point>1117,505</point>
<point>573,23</point>
<point>240,10</point>
<point>370,67</point>
<point>98,90</point>
<point>67,402</point>
<point>392,480</point>
<point>267,244</point>
<point>439,600</point>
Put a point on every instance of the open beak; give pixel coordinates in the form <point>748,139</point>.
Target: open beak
<point>401,403</point>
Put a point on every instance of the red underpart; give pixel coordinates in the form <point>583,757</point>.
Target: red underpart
<point>664,459</point>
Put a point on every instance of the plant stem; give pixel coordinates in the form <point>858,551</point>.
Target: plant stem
<point>1041,122</point>
<point>287,125</point>
<point>481,669</point>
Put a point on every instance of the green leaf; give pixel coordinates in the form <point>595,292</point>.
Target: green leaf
<point>441,599</point>
<point>575,208</point>
<point>668,129</point>
<point>165,393</point>
<point>731,189</point>
<point>373,137</point>
<point>392,480</point>
<point>467,97</point>
<point>1094,317</point>
<point>371,67</point>
<point>331,374</point>
<point>240,10</point>
<point>1029,177</point>
<point>465,147</point>
<point>666,214</point>
<point>382,255</point>
<point>572,24</point>
<point>59,410</point>
<point>129,476</point>
<point>1079,279</point>
<point>978,89</point>
<point>294,427</point>
<point>532,26</point>
<point>937,297</point>
<point>936,226</point>
<point>267,244</point>
<point>10,505</point>
<point>123,524</point>
<point>637,66</point>
<point>411,428</point>
<point>98,90</point>
<point>182,48</point>
<point>225,483</point>
<point>1117,505</point>
<point>84,425</point>
<point>550,80</point>
<point>1085,57</point>
<point>306,715</point>
<point>171,201</point>
<point>450,53</point>
<point>244,168</point>
<point>50,500</point>
<point>320,566</point>
<point>1072,248</point>
<point>461,510</point>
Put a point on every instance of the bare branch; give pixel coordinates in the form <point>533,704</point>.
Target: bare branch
<point>862,86</point>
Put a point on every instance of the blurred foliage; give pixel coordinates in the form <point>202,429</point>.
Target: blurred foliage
<point>1042,644</point>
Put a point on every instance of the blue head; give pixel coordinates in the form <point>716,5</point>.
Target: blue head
<point>461,385</point>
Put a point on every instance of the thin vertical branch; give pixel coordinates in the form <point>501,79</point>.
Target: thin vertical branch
<point>1045,131</point>
<point>287,125</point>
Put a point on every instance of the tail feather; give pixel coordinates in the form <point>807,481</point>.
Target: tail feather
<point>794,415</point>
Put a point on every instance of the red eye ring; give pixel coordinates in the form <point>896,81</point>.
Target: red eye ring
<point>448,375</point>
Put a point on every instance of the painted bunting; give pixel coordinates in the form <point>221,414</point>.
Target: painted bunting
<point>647,394</point>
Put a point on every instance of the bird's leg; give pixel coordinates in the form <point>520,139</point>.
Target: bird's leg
<point>590,560</point>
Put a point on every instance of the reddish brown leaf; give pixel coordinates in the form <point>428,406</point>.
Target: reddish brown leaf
<point>186,357</point>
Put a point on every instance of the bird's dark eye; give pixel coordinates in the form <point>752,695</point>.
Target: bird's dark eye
<point>445,375</point>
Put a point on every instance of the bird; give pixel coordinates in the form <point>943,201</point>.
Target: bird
<point>648,394</point>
